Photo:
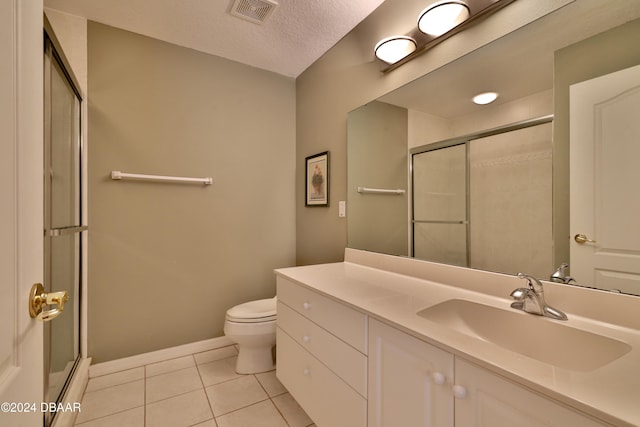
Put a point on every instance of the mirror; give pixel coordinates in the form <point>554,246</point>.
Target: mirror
<point>385,134</point>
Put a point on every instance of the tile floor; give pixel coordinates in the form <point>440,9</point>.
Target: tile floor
<point>198,390</point>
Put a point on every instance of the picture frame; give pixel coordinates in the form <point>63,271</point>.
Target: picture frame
<point>317,180</point>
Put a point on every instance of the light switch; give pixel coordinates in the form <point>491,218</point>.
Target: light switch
<point>342,208</point>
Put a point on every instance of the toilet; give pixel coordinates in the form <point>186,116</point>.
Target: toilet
<point>252,326</point>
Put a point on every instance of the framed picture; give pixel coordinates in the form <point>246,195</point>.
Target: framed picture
<point>317,180</point>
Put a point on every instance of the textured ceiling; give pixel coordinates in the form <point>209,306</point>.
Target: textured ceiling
<point>296,34</point>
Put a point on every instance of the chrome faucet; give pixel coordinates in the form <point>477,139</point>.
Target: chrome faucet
<point>560,276</point>
<point>531,299</point>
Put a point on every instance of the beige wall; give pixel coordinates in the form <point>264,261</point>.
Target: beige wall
<point>377,155</point>
<point>348,76</point>
<point>167,260</point>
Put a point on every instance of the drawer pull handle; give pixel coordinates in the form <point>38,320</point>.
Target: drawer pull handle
<point>306,339</point>
<point>438,378</point>
<point>306,306</point>
<point>306,372</point>
<point>459,392</point>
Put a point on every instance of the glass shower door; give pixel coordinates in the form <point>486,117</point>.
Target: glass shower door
<point>62,223</point>
<point>439,222</point>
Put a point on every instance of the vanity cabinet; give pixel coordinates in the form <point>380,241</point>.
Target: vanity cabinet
<point>321,355</point>
<point>412,383</point>
<point>409,380</point>
<point>491,400</point>
<point>348,369</point>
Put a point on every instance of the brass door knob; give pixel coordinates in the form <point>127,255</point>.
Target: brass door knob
<point>38,299</point>
<point>582,239</point>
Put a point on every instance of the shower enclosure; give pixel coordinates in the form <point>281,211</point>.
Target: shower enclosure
<point>485,200</point>
<point>63,229</point>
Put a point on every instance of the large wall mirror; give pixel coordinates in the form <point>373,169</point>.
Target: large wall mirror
<point>432,175</point>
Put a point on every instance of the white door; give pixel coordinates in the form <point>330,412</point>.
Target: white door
<point>605,177</point>
<point>21,233</point>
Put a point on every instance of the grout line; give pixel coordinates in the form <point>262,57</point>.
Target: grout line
<point>144,397</point>
<point>279,411</point>
<point>271,400</point>
<point>105,416</point>
<point>245,407</point>
<point>214,361</point>
<point>169,372</point>
<point>176,395</point>
<point>204,388</point>
<point>84,393</point>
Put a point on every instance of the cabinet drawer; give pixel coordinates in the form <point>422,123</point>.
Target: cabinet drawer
<point>326,398</point>
<point>344,322</point>
<point>348,363</point>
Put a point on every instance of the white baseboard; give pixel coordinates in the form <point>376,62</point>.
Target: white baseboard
<point>157,356</point>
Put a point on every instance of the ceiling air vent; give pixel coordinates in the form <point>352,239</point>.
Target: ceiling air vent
<point>256,11</point>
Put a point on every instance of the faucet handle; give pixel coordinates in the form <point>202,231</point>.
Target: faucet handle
<point>519,294</point>
<point>527,278</point>
<point>534,284</point>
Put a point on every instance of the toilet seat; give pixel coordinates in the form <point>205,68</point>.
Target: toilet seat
<point>259,311</point>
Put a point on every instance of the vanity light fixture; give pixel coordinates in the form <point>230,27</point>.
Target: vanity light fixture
<point>442,16</point>
<point>485,98</point>
<point>393,49</point>
<point>440,20</point>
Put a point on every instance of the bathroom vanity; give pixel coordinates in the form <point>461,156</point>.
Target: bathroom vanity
<point>380,340</point>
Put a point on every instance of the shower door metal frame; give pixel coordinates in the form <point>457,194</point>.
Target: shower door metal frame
<point>53,52</point>
<point>465,139</point>
<point>454,142</point>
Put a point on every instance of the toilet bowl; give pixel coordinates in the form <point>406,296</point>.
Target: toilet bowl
<point>252,326</point>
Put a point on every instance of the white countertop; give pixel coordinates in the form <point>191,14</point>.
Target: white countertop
<point>610,393</point>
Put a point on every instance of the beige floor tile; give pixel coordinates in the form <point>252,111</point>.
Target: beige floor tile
<point>235,394</point>
<point>189,391</point>
<point>172,384</point>
<point>131,418</point>
<point>122,377</point>
<point>262,414</point>
<point>218,371</point>
<point>179,411</point>
<point>217,354</point>
<point>271,384</point>
<point>291,411</point>
<point>99,403</point>
<point>169,366</point>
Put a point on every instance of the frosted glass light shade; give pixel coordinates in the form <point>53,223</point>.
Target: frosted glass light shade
<point>442,16</point>
<point>393,49</point>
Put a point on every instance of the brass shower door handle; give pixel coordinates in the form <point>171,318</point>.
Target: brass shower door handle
<point>38,298</point>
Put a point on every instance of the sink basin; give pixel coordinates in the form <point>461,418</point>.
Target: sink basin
<point>545,340</point>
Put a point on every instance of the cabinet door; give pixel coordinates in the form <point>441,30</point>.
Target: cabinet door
<point>409,380</point>
<point>492,401</point>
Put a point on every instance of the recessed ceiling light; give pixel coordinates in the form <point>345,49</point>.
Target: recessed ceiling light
<point>485,98</point>
<point>442,16</point>
<point>393,49</point>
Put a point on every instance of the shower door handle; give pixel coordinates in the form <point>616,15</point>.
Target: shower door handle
<point>38,298</point>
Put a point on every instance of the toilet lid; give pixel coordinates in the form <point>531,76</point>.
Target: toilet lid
<point>262,310</point>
